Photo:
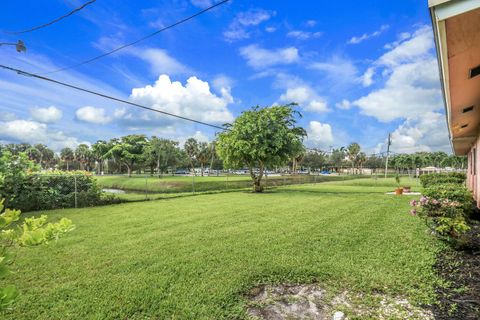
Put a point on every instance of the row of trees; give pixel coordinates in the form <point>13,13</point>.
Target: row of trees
<point>157,155</point>
<point>128,153</point>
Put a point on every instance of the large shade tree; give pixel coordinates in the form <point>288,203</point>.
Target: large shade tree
<point>128,150</point>
<point>260,138</point>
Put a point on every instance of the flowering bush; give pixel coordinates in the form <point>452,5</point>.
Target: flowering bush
<point>444,216</point>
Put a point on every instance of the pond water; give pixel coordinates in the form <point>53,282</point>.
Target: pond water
<point>116,191</point>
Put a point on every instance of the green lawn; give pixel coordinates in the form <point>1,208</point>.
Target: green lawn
<point>179,184</point>
<point>196,257</point>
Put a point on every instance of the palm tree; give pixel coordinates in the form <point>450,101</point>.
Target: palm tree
<point>83,155</point>
<point>67,155</point>
<point>353,150</point>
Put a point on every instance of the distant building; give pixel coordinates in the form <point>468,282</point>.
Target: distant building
<point>456,26</point>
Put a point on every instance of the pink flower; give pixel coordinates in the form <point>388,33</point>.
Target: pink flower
<point>413,212</point>
<point>413,203</point>
<point>423,200</point>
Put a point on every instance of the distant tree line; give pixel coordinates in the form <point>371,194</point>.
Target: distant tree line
<point>141,154</point>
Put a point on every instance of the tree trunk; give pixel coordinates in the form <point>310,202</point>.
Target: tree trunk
<point>129,170</point>
<point>201,168</point>
<point>158,167</point>
<point>67,165</point>
<point>257,179</point>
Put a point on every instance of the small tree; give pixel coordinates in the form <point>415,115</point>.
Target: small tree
<point>260,138</point>
<point>32,232</point>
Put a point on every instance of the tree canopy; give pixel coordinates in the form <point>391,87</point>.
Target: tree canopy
<point>260,138</point>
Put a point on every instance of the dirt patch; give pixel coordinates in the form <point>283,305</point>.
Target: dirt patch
<point>312,302</point>
<point>459,298</point>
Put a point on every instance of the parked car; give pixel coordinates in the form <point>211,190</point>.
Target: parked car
<point>182,171</point>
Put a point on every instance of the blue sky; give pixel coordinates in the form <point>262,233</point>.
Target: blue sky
<point>358,69</point>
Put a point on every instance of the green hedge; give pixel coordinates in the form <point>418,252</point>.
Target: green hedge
<point>38,191</point>
<point>428,180</point>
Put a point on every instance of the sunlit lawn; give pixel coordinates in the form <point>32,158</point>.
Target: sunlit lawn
<point>196,257</point>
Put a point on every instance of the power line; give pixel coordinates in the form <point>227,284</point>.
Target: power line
<point>53,21</point>
<point>28,74</point>
<point>139,40</point>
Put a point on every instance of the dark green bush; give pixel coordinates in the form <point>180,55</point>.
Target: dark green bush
<point>55,190</point>
<point>430,179</point>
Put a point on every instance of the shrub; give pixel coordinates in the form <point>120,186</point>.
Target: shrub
<point>55,190</point>
<point>451,191</point>
<point>445,208</point>
<point>427,180</point>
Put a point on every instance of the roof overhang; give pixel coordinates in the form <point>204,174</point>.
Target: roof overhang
<point>456,27</point>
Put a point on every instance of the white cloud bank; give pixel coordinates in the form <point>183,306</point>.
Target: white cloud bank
<point>35,132</point>
<point>193,100</point>
<point>412,86</point>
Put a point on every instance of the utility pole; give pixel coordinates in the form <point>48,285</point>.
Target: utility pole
<point>388,153</point>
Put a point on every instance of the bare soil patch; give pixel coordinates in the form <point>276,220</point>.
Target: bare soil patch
<point>312,302</point>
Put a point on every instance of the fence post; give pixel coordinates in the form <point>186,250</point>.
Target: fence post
<point>146,187</point>
<point>193,182</point>
<point>75,180</point>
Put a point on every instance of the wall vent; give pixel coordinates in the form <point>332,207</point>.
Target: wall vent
<point>467,109</point>
<point>475,71</point>
<point>464,126</point>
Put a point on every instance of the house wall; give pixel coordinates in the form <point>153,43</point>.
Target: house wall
<point>473,183</point>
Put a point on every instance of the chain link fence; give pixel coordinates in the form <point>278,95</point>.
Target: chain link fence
<point>149,187</point>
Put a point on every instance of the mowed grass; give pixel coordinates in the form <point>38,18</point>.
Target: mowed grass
<point>197,257</point>
<point>179,184</point>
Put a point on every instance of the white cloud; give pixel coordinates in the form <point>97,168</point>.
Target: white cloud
<point>305,97</point>
<point>311,23</point>
<point>270,29</point>
<point>419,46</point>
<point>203,4</point>
<point>160,61</point>
<point>35,132</point>
<point>426,133</point>
<point>303,35</point>
<point>367,78</point>
<point>46,115</point>
<point>366,36</point>
<point>92,115</point>
<point>339,72</point>
<point>401,37</point>
<point>319,135</point>
<point>412,85</point>
<point>344,104</point>
<point>193,100</point>
<point>260,58</point>
<point>239,27</point>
